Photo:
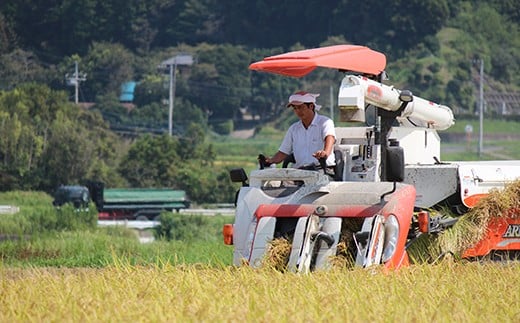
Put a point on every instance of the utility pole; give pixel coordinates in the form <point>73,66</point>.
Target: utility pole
<point>481,109</point>
<point>173,68</point>
<point>331,103</point>
<point>171,65</point>
<point>74,81</point>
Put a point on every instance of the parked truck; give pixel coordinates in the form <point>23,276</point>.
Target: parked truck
<point>389,188</point>
<point>123,203</point>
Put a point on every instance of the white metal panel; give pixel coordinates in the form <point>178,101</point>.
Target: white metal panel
<point>263,235</point>
<point>421,146</point>
<point>433,183</point>
<point>362,248</point>
<point>480,177</point>
<point>258,178</point>
<point>249,198</point>
<point>331,226</point>
<point>307,247</point>
<point>297,243</point>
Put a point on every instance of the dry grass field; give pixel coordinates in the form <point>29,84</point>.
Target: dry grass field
<point>446,292</point>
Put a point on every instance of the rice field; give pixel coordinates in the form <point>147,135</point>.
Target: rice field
<point>445,292</point>
<point>168,290</point>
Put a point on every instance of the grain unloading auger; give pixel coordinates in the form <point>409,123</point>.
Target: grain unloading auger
<point>388,179</point>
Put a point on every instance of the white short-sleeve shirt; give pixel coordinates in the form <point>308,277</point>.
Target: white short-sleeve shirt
<point>304,142</point>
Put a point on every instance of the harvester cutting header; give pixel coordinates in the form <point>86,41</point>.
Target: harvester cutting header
<point>389,185</point>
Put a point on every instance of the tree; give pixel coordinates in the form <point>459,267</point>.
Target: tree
<point>29,111</point>
<point>18,67</point>
<point>148,161</point>
<point>7,36</point>
<point>185,163</point>
<point>68,155</point>
<point>203,183</point>
<point>45,140</point>
<point>192,146</point>
<point>107,66</point>
<point>220,82</point>
<point>19,147</point>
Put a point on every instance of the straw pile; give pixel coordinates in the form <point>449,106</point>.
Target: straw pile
<point>472,226</point>
<point>277,254</point>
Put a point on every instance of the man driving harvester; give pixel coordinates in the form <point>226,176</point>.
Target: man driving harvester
<point>310,139</point>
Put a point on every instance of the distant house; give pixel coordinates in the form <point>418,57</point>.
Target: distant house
<point>127,92</point>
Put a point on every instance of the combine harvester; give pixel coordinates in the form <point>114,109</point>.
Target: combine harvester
<point>390,187</point>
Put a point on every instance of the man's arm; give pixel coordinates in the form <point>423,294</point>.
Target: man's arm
<point>329,144</point>
<point>327,148</point>
<point>277,158</point>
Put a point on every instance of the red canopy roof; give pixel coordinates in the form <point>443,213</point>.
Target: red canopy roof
<point>354,58</point>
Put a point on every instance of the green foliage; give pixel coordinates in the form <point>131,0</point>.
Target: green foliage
<point>71,219</point>
<point>110,65</point>
<point>223,128</point>
<point>148,160</point>
<point>37,215</point>
<point>46,141</point>
<point>204,183</point>
<point>68,154</point>
<point>192,146</point>
<point>185,163</point>
<point>150,89</point>
<point>220,82</point>
<point>40,235</point>
<point>18,66</point>
<point>103,248</point>
<point>189,228</point>
<point>431,47</point>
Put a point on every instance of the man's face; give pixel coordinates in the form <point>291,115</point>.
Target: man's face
<point>303,110</point>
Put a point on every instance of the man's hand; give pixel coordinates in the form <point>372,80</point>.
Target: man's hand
<point>320,154</point>
<point>263,161</point>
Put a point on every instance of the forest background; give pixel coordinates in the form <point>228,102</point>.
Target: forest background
<point>433,48</point>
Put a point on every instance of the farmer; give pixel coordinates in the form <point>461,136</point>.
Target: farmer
<point>310,138</point>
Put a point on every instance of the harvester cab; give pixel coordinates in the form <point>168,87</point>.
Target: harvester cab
<point>388,177</point>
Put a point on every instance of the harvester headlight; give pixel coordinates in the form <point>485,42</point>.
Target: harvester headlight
<point>391,236</point>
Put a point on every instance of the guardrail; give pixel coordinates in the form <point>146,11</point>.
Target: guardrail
<point>135,224</point>
<point>129,224</point>
<point>9,209</point>
<point>209,212</point>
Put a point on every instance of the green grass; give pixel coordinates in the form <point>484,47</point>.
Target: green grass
<point>236,152</point>
<point>101,248</point>
<point>42,236</point>
<point>490,126</point>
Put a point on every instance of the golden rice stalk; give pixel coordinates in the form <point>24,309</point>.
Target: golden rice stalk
<point>343,258</point>
<point>277,255</point>
<point>424,250</point>
<point>473,225</point>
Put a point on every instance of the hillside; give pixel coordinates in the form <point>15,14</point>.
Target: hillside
<point>191,57</point>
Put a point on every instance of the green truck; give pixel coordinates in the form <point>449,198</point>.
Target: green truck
<point>123,203</point>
